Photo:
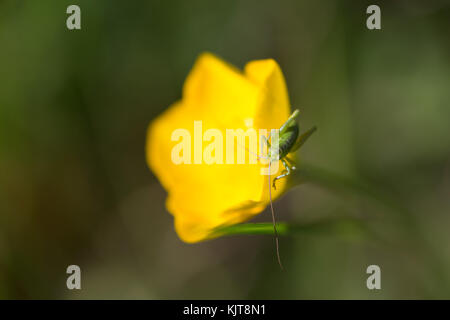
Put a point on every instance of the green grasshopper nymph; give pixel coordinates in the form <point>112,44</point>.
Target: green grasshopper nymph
<point>289,141</point>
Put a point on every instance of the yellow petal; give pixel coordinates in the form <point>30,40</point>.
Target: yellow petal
<point>200,196</point>
<point>274,107</point>
<point>217,90</point>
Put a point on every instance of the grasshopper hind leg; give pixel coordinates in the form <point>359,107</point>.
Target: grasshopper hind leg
<point>285,173</point>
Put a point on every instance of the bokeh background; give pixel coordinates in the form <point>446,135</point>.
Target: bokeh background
<point>75,188</point>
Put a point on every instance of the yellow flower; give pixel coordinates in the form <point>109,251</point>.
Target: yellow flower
<point>204,196</point>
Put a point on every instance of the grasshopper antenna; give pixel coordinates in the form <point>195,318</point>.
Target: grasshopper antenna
<point>271,204</point>
<point>274,222</point>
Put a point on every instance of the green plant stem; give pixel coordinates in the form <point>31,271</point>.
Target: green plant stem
<point>346,227</point>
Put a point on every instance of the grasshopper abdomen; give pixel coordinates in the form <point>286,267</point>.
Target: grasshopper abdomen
<point>287,140</point>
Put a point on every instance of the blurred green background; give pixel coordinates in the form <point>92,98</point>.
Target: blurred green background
<point>75,188</point>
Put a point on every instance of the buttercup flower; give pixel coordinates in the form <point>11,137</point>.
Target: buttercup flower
<point>202,196</point>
